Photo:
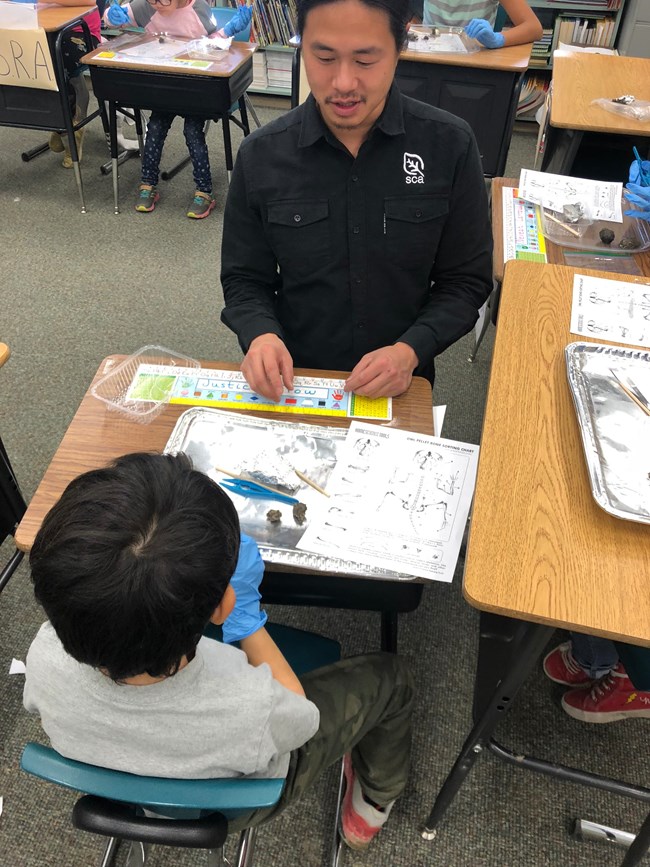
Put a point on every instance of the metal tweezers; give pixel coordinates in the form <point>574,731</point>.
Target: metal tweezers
<point>252,489</point>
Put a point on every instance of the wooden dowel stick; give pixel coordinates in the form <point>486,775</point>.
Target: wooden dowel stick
<point>553,219</point>
<point>310,482</point>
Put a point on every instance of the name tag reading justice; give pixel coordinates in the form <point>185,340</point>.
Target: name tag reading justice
<point>225,389</point>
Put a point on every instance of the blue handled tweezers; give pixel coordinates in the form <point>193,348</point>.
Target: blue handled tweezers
<point>251,489</point>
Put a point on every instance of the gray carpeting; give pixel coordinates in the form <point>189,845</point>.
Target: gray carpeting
<point>75,288</point>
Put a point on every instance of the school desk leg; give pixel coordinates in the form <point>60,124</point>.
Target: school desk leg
<point>26,156</point>
<point>529,641</point>
<point>112,124</point>
<point>227,145</point>
<point>639,847</point>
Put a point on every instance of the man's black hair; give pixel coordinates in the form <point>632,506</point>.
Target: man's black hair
<point>131,562</point>
<point>398,11</point>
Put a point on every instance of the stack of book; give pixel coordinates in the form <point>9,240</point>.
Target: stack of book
<point>274,21</point>
<point>532,96</point>
<point>541,51</point>
<point>278,68</point>
<point>260,78</point>
<point>597,30</point>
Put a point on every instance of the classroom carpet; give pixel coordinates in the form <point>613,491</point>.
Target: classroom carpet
<point>76,287</point>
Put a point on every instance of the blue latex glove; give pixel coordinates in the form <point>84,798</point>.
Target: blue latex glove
<point>117,16</point>
<point>246,617</point>
<point>239,21</point>
<point>637,193</point>
<point>480,29</point>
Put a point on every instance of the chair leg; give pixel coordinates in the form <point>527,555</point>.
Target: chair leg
<point>109,852</point>
<point>246,848</point>
<point>137,855</point>
<point>252,111</point>
<point>216,858</point>
<point>337,840</point>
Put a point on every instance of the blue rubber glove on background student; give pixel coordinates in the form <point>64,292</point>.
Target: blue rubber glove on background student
<point>480,29</point>
<point>637,192</point>
<point>239,21</point>
<point>246,617</point>
<point>117,16</point>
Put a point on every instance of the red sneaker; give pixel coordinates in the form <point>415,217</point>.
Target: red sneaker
<point>611,698</point>
<point>560,667</point>
<point>360,821</point>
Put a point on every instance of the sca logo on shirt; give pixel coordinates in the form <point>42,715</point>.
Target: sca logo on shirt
<point>413,168</point>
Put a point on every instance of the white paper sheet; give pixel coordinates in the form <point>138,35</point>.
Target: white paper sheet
<point>601,200</point>
<point>398,500</point>
<point>611,310</point>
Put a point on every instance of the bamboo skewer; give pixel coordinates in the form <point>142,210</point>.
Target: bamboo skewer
<point>310,482</point>
<point>553,219</point>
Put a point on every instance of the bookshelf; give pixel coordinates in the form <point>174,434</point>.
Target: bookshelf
<point>593,23</point>
<point>274,23</point>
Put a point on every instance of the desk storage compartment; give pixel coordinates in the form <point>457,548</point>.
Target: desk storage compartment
<point>29,107</point>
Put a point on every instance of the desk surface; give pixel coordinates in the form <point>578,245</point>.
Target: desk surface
<point>512,59</point>
<point>554,253</point>
<point>52,18</point>
<point>579,78</point>
<point>97,436</point>
<point>540,548</point>
<point>238,54</point>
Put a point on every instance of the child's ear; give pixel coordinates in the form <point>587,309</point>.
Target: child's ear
<point>225,607</point>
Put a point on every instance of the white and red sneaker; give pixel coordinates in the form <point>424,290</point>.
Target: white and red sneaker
<point>360,821</point>
<point>560,666</point>
<point>611,698</point>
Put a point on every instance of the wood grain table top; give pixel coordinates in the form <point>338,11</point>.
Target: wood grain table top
<point>238,54</point>
<point>579,78</point>
<point>540,548</point>
<point>554,252</point>
<point>98,435</point>
<point>515,58</point>
<point>52,18</point>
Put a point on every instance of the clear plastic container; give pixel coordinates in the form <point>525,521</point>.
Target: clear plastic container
<point>630,236</point>
<point>141,401</point>
<point>440,40</point>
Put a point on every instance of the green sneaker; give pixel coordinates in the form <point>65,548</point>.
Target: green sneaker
<point>146,199</point>
<point>201,205</point>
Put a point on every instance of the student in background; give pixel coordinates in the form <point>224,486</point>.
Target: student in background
<point>188,19</point>
<point>131,565</point>
<point>73,49</point>
<point>478,18</point>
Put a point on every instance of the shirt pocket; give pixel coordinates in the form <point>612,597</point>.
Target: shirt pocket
<point>299,232</point>
<point>413,226</point>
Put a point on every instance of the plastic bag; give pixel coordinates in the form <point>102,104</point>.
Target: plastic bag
<point>637,110</point>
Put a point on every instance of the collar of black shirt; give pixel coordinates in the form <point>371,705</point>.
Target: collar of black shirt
<point>390,121</point>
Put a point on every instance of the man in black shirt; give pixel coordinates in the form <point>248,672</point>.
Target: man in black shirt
<point>356,232</point>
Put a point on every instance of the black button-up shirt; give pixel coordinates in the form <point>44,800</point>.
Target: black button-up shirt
<point>340,256</point>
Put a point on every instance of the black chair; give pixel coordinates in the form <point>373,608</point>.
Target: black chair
<point>12,504</point>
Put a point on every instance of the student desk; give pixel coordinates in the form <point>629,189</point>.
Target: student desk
<point>482,88</point>
<point>578,79</point>
<point>97,436</point>
<point>540,549</point>
<point>208,93</point>
<point>31,108</point>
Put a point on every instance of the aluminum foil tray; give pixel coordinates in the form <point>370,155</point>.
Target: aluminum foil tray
<point>615,431</point>
<point>215,438</point>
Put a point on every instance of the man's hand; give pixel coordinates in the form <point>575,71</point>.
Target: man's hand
<point>268,366</point>
<point>385,372</point>
<point>246,617</point>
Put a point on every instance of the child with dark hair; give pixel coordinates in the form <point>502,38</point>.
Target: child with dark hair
<point>131,565</point>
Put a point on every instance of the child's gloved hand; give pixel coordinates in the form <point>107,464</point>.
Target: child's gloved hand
<point>638,193</point>
<point>480,29</point>
<point>239,21</point>
<point>117,16</point>
<point>246,617</point>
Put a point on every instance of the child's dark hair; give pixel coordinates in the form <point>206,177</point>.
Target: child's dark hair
<point>398,12</point>
<point>131,562</point>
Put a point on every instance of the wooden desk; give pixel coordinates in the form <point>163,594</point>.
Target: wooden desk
<point>578,79</point>
<point>207,93</point>
<point>554,253</point>
<point>97,436</point>
<point>539,548</point>
<point>482,88</point>
<point>30,108</point>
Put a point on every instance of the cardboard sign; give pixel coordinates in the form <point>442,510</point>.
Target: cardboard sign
<point>25,60</point>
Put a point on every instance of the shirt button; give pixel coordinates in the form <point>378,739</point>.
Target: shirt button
<point>297,218</point>
<point>355,178</point>
<point>418,213</point>
<point>355,230</point>
<point>361,325</point>
<point>357,280</point>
